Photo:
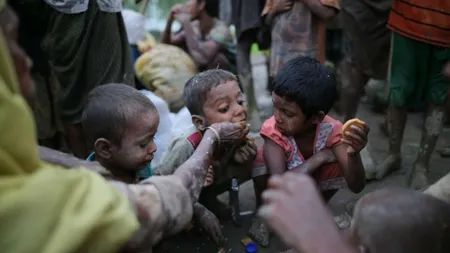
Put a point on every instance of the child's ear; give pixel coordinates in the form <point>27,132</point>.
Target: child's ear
<point>199,122</point>
<point>318,117</point>
<point>102,148</point>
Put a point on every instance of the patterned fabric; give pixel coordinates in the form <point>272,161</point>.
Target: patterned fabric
<point>161,203</point>
<point>78,6</point>
<point>328,134</point>
<point>294,33</point>
<point>425,21</point>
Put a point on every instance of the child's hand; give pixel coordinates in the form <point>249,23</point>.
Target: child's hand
<point>246,153</point>
<point>282,6</point>
<point>209,179</point>
<point>209,223</point>
<point>356,137</point>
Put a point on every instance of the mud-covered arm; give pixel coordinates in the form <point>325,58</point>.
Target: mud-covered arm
<point>69,161</point>
<point>162,205</point>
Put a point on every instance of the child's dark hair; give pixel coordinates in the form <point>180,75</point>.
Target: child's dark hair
<point>109,109</point>
<point>197,88</point>
<point>308,83</point>
<point>211,7</point>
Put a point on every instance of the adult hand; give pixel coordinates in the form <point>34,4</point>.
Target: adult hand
<point>230,133</point>
<point>294,208</point>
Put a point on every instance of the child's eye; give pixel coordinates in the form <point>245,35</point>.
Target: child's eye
<point>224,109</point>
<point>288,113</point>
<point>241,102</point>
<point>143,145</point>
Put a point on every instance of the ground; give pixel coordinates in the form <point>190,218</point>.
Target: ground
<point>375,153</point>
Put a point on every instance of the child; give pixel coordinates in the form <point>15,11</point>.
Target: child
<point>401,221</point>
<point>120,124</point>
<point>211,97</point>
<point>301,137</point>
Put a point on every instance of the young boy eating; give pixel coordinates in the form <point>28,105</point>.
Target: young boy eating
<point>120,124</point>
<point>301,137</point>
<point>211,97</point>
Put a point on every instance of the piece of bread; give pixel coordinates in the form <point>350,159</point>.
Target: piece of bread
<point>352,122</point>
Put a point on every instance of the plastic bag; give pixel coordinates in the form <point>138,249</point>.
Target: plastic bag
<point>164,70</point>
<point>164,133</point>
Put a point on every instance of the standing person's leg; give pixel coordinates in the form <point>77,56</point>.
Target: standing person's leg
<point>85,50</point>
<point>244,66</point>
<point>402,86</point>
<point>435,89</point>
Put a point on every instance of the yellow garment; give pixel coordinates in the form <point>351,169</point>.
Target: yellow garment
<point>44,208</point>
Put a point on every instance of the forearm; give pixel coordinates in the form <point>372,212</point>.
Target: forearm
<point>167,34</point>
<point>194,45</point>
<point>354,173</point>
<point>320,10</point>
<point>193,171</point>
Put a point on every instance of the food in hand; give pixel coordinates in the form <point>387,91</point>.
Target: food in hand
<point>347,126</point>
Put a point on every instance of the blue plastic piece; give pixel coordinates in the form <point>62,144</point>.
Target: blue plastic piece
<point>251,247</point>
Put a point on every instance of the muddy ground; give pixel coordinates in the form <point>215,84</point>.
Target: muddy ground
<point>375,153</point>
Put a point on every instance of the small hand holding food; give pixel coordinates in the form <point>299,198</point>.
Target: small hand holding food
<point>246,152</point>
<point>355,133</point>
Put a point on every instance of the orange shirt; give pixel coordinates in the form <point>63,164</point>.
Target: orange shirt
<point>423,20</point>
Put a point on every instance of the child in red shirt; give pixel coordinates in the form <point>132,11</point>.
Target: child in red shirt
<point>301,137</point>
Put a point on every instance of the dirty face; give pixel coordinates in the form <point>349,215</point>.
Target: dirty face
<point>225,102</point>
<point>9,24</point>
<point>289,118</point>
<point>195,7</point>
<point>137,145</point>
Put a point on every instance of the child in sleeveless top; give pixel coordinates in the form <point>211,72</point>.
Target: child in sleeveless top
<point>301,137</point>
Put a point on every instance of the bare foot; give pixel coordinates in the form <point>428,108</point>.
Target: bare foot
<point>259,232</point>
<point>391,163</point>
<point>417,179</point>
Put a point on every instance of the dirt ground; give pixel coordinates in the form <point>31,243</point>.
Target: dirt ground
<point>374,153</point>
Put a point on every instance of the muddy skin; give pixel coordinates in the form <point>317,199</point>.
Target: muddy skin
<point>246,80</point>
<point>432,127</point>
<point>396,121</point>
<point>353,81</point>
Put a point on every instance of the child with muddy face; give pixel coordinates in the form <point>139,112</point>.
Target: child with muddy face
<point>214,96</point>
<point>301,137</point>
<point>120,124</point>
